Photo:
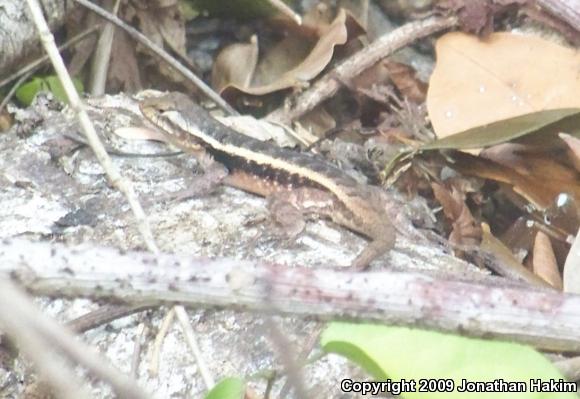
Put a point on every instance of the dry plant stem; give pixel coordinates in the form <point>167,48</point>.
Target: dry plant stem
<point>291,366</point>
<point>545,319</point>
<point>87,127</point>
<point>102,56</point>
<point>205,89</point>
<point>193,345</point>
<point>285,10</point>
<point>121,384</point>
<point>303,356</point>
<point>151,245</point>
<point>383,47</point>
<point>104,315</point>
<point>155,353</point>
<point>566,10</point>
<point>140,337</point>
<point>38,62</point>
<point>59,375</point>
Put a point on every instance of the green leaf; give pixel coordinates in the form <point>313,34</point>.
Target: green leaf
<point>550,121</point>
<point>398,353</point>
<point>228,388</point>
<point>25,93</point>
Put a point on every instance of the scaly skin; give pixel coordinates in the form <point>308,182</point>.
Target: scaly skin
<point>264,169</point>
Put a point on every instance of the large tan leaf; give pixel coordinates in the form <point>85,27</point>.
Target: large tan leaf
<point>295,60</point>
<point>480,81</point>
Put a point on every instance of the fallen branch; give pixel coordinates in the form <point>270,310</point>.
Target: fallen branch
<point>383,47</point>
<point>547,320</point>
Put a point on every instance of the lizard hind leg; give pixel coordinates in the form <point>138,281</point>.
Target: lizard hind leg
<point>372,251</point>
<point>201,185</point>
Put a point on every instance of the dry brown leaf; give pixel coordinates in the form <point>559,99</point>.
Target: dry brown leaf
<point>227,68</point>
<point>477,82</point>
<point>506,265</point>
<point>574,149</point>
<point>315,124</point>
<point>163,24</point>
<point>405,79</point>
<point>123,68</point>
<point>541,192</point>
<point>296,60</point>
<point>474,16</point>
<point>466,231</point>
<point>535,163</point>
<point>544,262</point>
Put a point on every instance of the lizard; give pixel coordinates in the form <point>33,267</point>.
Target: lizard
<point>307,181</point>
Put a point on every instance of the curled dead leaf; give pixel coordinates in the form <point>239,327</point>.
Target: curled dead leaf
<point>541,196</point>
<point>506,264</point>
<point>466,231</point>
<point>295,60</point>
<point>544,262</point>
<point>224,73</point>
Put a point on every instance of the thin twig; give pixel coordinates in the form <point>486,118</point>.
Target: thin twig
<point>88,129</point>
<point>76,104</point>
<point>285,10</point>
<point>113,377</point>
<point>102,57</point>
<point>383,47</point>
<point>156,352</point>
<point>144,40</point>
<point>193,345</point>
<point>13,89</point>
<point>139,339</point>
<point>282,346</point>
<point>302,358</point>
<point>189,75</point>
<point>104,315</point>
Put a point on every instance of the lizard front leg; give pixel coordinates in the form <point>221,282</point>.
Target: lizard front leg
<point>213,175</point>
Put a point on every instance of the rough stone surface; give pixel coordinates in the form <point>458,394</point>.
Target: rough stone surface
<point>69,200</point>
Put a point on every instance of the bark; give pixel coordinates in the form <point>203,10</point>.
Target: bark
<point>545,319</point>
<point>19,40</point>
<point>565,10</point>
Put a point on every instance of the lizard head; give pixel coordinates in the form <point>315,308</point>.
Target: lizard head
<point>166,113</point>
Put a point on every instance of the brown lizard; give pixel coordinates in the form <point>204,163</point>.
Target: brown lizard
<point>264,169</point>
